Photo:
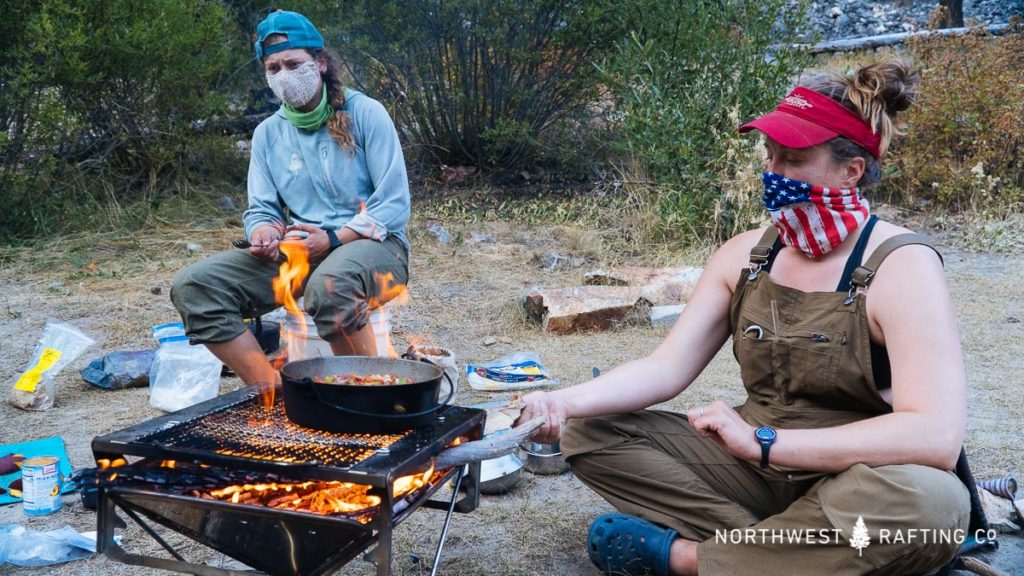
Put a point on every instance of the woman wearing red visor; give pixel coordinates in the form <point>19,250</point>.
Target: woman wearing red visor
<point>841,459</point>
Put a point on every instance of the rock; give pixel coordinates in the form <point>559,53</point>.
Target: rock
<point>999,511</point>
<point>568,310</point>
<point>836,12</point>
<point>627,276</point>
<point>1012,320</point>
<point>666,316</point>
<point>156,290</point>
<point>226,203</point>
<point>482,238</point>
<point>456,174</point>
<point>558,261</point>
<point>659,286</point>
<point>242,145</point>
<point>489,341</point>
<point>504,340</point>
<point>442,235</point>
<point>675,289</point>
<point>193,247</point>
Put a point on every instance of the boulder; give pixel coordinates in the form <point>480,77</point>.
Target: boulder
<point>666,316</point>
<point>659,286</point>
<point>580,308</point>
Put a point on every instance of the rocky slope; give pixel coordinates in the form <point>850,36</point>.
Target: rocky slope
<point>835,19</point>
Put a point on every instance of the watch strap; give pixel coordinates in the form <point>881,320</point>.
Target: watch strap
<point>332,236</point>
<point>766,445</point>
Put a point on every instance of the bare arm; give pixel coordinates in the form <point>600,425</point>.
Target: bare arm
<point>910,305</point>
<point>671,368</point>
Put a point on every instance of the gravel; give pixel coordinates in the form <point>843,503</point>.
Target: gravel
<point>836,19</point>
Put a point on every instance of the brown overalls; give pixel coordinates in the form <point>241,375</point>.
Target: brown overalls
<point>805,361</point>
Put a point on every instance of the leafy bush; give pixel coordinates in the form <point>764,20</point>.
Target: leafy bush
<point>964,145</point>
<point>479,83</point>
<point>99,98</point>
<point>682,82</point>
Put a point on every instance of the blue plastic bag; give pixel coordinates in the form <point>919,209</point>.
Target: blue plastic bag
<point>119,370</point>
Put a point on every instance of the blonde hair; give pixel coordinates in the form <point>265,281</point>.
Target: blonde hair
<point>339,125</point>
<point>875,92</point>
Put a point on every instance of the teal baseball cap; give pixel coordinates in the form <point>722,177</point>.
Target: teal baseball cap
<point>300,32</point>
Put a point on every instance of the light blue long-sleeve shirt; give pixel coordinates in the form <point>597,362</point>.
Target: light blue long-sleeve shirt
<point>322,184</point>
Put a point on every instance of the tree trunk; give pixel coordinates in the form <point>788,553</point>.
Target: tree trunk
<point>954,13</point>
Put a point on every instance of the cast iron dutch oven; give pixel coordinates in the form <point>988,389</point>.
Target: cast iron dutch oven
<point>361,409</point>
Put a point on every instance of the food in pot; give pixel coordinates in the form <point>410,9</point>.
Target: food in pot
<point>363,379</point>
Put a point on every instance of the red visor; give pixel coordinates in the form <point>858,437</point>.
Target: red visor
<point>807,118</point>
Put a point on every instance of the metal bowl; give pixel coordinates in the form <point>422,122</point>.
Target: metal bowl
<point>499,475</point>
<point>545,459</point>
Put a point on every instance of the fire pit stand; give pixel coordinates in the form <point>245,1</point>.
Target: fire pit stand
<point>236,434</point>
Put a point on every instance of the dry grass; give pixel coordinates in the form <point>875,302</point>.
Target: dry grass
<point>462,294</point>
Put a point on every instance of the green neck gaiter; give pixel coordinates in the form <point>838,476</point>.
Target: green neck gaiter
<point>313,119</point>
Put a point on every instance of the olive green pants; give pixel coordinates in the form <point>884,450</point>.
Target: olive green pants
<point>214,294</point>
<point>747,520</point>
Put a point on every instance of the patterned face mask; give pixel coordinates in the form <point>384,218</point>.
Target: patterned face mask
<point>296,87</point>
<point>811,218</point>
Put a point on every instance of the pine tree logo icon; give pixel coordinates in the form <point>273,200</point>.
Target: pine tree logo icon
<point>860,539</point>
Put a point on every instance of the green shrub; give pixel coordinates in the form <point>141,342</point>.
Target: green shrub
<point>470,82</point>
<point>99,99</point>
<point>964,145</point>
<point>686,77</point>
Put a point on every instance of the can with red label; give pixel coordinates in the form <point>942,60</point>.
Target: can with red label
<point>41,481</point>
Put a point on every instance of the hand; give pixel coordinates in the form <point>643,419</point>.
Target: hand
<point>317,244</point>
<point>544,404</point>
<point>722,424</point>
<point>265,240</point>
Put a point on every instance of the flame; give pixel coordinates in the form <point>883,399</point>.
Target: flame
<point>317,497</point>
<point>289,281</point>
<point>104,463</point>
<point>168,463</point>
<point>392,293</point>
<point>407,484</point>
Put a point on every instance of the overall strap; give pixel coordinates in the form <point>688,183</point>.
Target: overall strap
<point>862,275</point>
<point>762,251</point>
<point>857,255</point>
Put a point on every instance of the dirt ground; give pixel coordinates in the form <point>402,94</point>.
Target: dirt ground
<point>115,289</point>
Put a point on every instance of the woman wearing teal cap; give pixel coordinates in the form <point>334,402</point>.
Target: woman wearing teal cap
<point>330,157</point>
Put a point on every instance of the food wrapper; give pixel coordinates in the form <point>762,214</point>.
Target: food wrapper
<point>59,345</point>
<point>514,372</point>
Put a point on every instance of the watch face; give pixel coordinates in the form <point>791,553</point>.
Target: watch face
<point>765,433</point>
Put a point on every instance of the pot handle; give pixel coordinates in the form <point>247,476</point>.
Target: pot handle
<point>340,408</point>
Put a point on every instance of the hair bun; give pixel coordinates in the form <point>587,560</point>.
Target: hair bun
<point>890,82</point>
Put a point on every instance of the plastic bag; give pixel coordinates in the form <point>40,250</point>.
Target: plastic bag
<point>59,345</point>
<point>119,370</point>
<point>23,547</point>
<point>181,374</point>
<point>513,372</point>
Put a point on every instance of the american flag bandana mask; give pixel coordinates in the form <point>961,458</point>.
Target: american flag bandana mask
<point>811,218</point>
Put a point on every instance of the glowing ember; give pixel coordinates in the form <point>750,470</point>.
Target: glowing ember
<point>317,497</point>
<point>104,463</point>
<point>288,283</point>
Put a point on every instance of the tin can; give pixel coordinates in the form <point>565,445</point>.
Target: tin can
<point>41,481</point>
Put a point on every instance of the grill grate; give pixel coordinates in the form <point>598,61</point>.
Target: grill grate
<point>246,430</point>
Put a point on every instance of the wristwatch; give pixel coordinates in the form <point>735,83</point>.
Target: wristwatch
<point>332,236</point>
<point>766,436</point>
